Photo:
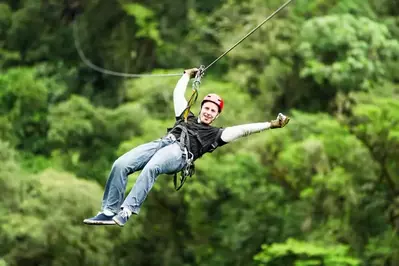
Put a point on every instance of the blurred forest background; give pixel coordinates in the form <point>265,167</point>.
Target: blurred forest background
<point>322,191</point>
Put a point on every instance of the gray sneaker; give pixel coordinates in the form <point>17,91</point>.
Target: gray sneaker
<point>121,218</point>
<point>100,219</point>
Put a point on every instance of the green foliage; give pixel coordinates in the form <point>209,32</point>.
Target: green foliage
<point>7,158</point>
<point>375,121</point>
<point>41,222</point>
<point>145,19</point>
<point>154,95</point>
<point>83,134</point>
<point>5,21</point>
<point>41,217</point>
<point>299,253</point>
<point>6,130</point>
<point>321,191</point>
<point>24,103</point>
<point>5,18</point>
<point>348,58</point>
<point>321,8</point>
<point>383,249</point>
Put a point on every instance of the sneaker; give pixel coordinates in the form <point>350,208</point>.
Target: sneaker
<point>100,219</point>
<point>280,122</point>
<point>121,218</point>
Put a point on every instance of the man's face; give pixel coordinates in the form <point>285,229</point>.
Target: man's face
<point>209,112</point>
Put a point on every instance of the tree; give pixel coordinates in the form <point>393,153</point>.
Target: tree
<point>41,221</point>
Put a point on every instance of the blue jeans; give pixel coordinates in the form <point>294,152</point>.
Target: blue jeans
<point>161,156</point>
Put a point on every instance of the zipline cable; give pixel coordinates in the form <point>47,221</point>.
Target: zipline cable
<point>106,71</point>
<point>249,33</point>
<point>124,74</point>
<point>202,69</point>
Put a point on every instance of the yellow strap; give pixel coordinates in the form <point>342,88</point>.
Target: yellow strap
<point>193,99</point>
<point>194,94</point>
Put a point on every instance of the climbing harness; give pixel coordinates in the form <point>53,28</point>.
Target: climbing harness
<point>184,141</point>
<point>185,145</point>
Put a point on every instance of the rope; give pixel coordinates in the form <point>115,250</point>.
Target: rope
<point>105,71</point>
<point>203,69</point>
<point>249,33</point>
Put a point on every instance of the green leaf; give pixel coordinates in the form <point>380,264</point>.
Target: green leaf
<point>145,19</point>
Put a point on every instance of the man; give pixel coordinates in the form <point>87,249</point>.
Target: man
<point>184,143</point>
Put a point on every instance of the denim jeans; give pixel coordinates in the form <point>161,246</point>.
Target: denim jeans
<point>161,156</point>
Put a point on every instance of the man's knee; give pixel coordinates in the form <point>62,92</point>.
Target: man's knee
<point>120,164</point>
<point>153,169</point>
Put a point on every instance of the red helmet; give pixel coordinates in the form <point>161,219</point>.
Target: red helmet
<point>216,99</point>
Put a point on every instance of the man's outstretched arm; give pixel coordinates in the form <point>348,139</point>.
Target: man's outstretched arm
<point>235,132</point>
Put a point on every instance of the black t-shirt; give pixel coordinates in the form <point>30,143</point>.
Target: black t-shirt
<point>209,136</point>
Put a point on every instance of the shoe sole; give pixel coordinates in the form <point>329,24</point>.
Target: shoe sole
<point>117,222</point>
<point>99,222</point>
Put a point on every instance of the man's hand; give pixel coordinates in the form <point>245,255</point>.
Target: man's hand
<point>191,72</point>
<point>280,122</point>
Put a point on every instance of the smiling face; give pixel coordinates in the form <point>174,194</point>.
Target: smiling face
<point>209,112</point>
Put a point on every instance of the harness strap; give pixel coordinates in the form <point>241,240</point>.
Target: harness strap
<point>188,170</point>
<point>216,143</point>
<point>194,95</point>
<point>184,141</point>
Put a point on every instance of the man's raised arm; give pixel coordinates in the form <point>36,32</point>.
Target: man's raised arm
<point>179,101</point>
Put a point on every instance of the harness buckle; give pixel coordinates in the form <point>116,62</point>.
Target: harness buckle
<point>171,136</point>
<point>188,169</point>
